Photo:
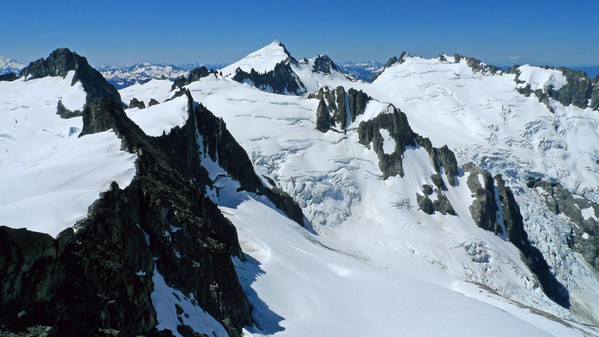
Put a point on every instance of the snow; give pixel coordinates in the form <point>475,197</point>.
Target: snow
<point>160,90</point>
<point>540,78</point>
<point>338,184</point>
<point>64,173</point>
<point>588,213</point>
<point>160,118</point>
<point>388,142</point>
<point>299,285</point>
<point>262,60</point>
<point>165,299</point>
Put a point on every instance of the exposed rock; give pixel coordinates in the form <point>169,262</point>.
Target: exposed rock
<point>8,77</point>
<point>153,102</point>
<point>98,280</point>
<point>281,80</point>
<point>60,62</point>
<point>195,75</point>
<point>447,160</point>
<point>425,204</point>
<point>135,103</point>
<point>344,107</point>
<point>65,113</point>
<point>340,116</point>
<point>595,94</point>
<point>396,124</point>
<point>323,117</point>
<point>427,189</point>
<point>484,208</point>
<point>323,64</point>
<point>476,65</point>
<point>218,144</point>
<point>531,255</point>
<point>357,102</point>
<point>584,233</point>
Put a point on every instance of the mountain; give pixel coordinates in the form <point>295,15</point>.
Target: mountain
<point>364,71</point>
<point>127,75</point>
<point>283,197</point>
<point>10,66</point>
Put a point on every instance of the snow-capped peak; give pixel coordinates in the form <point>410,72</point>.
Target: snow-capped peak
<point>10,66</point>
<point>262,60</point>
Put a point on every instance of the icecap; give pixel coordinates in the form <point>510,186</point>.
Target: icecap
<point>160,118</point>
<point>262,60</point>
<point>50,176</point>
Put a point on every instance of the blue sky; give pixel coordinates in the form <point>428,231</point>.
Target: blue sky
<point>180,31</point>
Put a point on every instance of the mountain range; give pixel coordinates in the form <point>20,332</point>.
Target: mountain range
<point>292,197</point>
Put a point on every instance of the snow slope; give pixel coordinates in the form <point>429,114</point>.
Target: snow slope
<point>262,60</point>
<point>64,173</point>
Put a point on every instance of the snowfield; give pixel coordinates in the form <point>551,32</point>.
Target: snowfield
<point>64,174</point>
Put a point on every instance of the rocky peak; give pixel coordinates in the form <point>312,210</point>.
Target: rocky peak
<point>60,62</point>
<point>324,65</point>
<point>281,80</point>
<point>195,75</point>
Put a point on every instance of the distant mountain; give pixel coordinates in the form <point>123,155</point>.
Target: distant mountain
<point>10,66</point>
<point>126,75</point>
<point>362,70</point>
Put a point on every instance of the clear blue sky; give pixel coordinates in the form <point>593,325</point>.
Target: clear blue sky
<point>180,31</point>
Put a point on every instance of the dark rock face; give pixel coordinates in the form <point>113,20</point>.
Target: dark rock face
<point>595,94</point>
<point>153,102</point>
<point>495,209</point>
<point>344,106</point>
<point>281,80</point>
<point>65,113</point>
<point>135,103</point>
<point>60,62</point>
<point>323,117</point>
<point>531,255</point>
<point>425,204</point>
<point>484,208</point>
<point>446,158</point>
<point>476,65</point>
<point>98,281</point>
<point>324,65</point>
<point>397,125</point>
<point>584,232</point>
<point>195,75</point>
<point>219,145</point>
<point>8,77</point>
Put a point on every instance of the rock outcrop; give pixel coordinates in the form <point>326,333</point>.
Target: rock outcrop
<point>580,212</point>
<point>495,209</point>
<point>342,106</point>
<point>281,80</point>
<point>195,75</point>
<point>324,65</point>
<point>135,103</point>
